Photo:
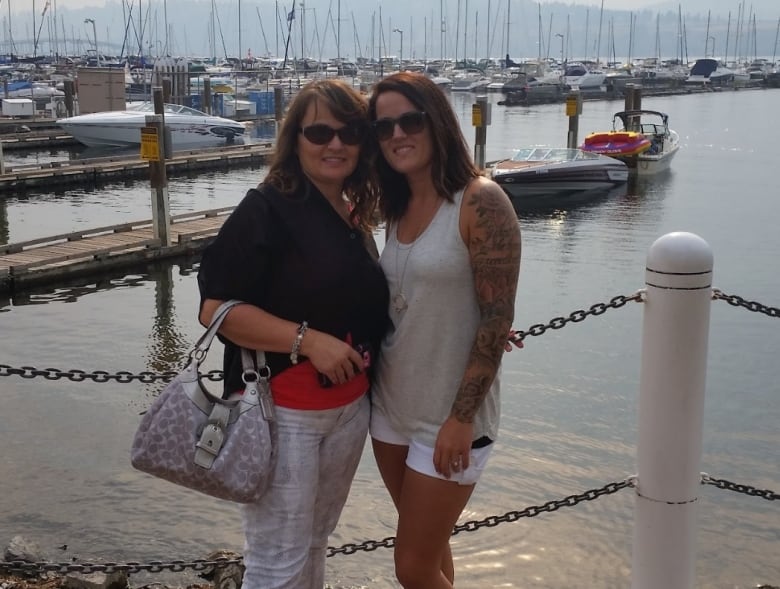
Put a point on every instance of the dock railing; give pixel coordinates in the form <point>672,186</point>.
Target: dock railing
<point>677,298</point>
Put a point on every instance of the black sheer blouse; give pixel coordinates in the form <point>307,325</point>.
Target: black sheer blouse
<point>295,257</point>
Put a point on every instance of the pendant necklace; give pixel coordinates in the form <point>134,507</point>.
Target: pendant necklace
<point>400,303</point>
<point>399,300</point>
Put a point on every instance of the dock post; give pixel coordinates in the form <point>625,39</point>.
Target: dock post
<point>69,88</point>
<point>480,118</point>
<point>278,107</point>
<point>207,95</point>
<point>633,101</point>
<point>167,86</point>
<point>677,305</point>
<point>161,214</point>
<point>573,111</point>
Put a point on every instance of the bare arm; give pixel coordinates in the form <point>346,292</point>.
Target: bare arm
<point>490,229</point>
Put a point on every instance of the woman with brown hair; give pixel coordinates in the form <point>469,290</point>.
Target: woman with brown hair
<point>451,259</point>
<point>299,253</point>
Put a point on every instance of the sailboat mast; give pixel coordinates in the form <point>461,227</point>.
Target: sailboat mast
<point>507,32</point>
<point>777,34</point>
<point>338,32</point>
<point>598,40</point>
<point>487,33</point>
<point>728,34</point>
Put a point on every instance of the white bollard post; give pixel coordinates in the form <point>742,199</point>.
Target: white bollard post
<point>671,405</point>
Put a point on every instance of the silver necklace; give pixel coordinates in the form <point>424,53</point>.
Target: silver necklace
<point>399,300</point>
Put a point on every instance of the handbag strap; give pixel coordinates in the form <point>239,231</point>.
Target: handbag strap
<point>204,342</point>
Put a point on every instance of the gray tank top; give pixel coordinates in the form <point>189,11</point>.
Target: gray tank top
<point>424,354</point>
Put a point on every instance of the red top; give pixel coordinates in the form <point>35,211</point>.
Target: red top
<point>298,387</point>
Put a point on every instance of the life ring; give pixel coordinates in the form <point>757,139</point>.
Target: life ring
<point>59,108</point>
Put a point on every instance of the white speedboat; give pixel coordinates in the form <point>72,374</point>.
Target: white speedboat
<point>540,171</point>
<point>189,128</point>
<point>664,142</point>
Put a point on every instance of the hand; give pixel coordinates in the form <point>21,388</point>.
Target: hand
<point>332,357</point>
<point>453,447</point>
<point>511,340</point>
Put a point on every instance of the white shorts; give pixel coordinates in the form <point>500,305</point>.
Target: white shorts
<point>420,457</point>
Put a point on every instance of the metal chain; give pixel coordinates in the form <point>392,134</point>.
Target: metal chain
<point>176,566</point>
<point>494,520</point>
<point>100,376</point>
<point>738,301</point>
<point>33,568</point>
<point>579,315</point>
<point>737,488</point>
<point>124,376</point>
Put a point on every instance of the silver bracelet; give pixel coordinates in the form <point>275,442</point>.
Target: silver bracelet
<point>296,347</point>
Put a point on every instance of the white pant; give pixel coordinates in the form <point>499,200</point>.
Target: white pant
<point>287,530</point>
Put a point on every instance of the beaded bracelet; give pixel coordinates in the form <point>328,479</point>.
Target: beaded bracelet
<point>296,347</point>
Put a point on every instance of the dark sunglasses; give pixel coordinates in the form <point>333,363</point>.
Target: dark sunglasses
<point>322,134</point>
<point>411,123</point>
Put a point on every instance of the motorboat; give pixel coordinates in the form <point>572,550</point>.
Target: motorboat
<point>713,72</point>
<point>653,125</point>
<point>538,171</point>
<point>189,128</point>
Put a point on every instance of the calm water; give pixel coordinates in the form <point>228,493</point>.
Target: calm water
<point>569,408</point>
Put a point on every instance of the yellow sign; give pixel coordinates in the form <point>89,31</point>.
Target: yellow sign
<point>150,144</point>
<point>476,115</point>
<point>572,106</point>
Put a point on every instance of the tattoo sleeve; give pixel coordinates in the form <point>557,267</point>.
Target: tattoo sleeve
<point>494,248</point>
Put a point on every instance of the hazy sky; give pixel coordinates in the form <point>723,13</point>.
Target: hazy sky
<point>19,5</point>
<point>716,5</point>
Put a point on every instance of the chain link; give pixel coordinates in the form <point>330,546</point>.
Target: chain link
<point>176,566</point>
<point>100,376</point>
<point>33,568</point>
<point>737,488</point>
<point>578,315</point>
<point>738,301</point>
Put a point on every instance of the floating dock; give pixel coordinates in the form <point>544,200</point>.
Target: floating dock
<point>103,169</point>
<point>84,253</point>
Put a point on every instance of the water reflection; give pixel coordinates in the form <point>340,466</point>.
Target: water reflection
<point>167,345</point>
<point>3,221</point>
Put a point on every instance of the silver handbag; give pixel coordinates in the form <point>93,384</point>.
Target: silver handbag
<point>224,448</point>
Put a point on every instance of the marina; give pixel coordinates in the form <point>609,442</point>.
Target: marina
<point>569,401</point>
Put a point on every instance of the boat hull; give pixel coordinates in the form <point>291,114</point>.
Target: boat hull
<point>647,165</point>
<point>188,130</point>
<point>523,178</point>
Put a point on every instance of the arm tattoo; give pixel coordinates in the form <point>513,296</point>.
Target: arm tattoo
<point>494,247</point>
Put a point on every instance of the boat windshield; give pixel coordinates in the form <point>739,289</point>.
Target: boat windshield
<point>552,154</point>
<point>170,109</point>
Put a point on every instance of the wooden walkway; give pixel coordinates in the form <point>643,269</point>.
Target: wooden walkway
<point>103,169</point>
<point>84,253</point>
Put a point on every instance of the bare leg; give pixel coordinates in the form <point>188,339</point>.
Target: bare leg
<point>428,510</point>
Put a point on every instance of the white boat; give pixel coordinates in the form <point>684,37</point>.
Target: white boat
<point>550,171</point>
<point>712,72</point>
<point>189,128</point>
<point>664,142</point>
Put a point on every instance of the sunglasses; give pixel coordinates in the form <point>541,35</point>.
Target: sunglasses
<point>411,123</point>
<point>322,134</point>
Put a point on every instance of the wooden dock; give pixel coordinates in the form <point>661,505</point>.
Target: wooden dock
<point>85,253</point>
<point>44,139</point>
<point>103,169</point>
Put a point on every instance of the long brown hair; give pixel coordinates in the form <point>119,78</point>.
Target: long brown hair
<point>452,167</point>
<point>348,106</point>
